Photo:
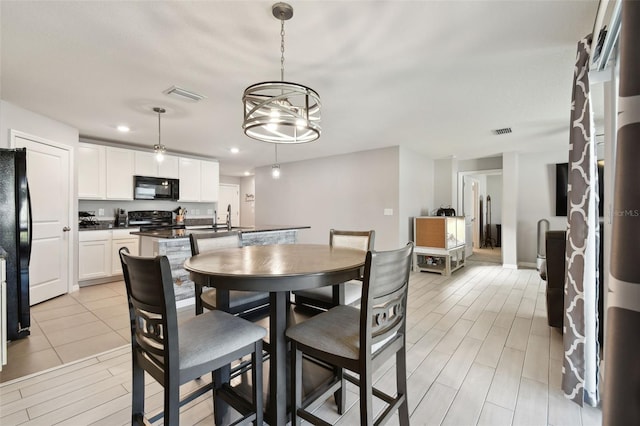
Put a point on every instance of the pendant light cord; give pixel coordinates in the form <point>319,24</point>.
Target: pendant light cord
<point>281,46</point>
<point>159,131</point>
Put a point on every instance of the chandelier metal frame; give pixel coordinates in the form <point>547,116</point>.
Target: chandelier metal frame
<point>281,111</point>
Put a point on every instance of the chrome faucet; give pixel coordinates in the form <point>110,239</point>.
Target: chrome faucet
<point>229,217</point>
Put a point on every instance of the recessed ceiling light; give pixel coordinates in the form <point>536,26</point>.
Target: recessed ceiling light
<point>122,128</point>
<point>247,173</point>
<point>234,150</point>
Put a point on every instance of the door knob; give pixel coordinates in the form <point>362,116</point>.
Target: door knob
<point>66,229</point>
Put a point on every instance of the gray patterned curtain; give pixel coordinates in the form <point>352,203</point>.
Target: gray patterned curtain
<point>581,352</point>
<point>621,402</point>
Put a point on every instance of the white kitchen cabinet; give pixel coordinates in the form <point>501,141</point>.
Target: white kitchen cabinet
<point>147,165</point>
<point>199,180</point>
<point>92,178</point>
<point>122,238</point>
<point>106,173</point>
<point>94,255</point>
<point>190,179</point>
<point>120,167</point>
<point>169,167</point>
<point>209,181</point>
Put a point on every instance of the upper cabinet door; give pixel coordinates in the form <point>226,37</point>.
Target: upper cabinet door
<point>92,183</point>
<point>169,167</point>
<point>209,181</point>
<point>145,164</point>
<point>189,179</point>
<point>120,167</point>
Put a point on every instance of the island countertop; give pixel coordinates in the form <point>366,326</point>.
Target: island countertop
<point>184,233</point>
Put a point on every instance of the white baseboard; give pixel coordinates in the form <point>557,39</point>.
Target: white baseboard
<point>509,266</point>
<point>185,302</point>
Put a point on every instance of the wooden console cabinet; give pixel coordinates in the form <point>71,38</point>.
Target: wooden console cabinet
<point>439,243</point>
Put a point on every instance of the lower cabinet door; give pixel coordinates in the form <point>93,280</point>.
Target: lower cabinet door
<point>130,243</point>
<point>94,259</point>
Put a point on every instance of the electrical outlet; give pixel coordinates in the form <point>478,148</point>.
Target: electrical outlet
<point>388,212</point>
<point>209,211</point>
<point>100,212</point>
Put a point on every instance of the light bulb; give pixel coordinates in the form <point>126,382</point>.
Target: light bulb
<point>159,157</point>
<point>275,171</point>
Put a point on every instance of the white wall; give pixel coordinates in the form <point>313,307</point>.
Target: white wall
<point>247,205</point>
<point>510,173</point>
<point>16,118</point>
<point>485,163</point>
<point>343,192</point>
<point>415,190</point>
<point>444,183</point>
<point>537,199</point>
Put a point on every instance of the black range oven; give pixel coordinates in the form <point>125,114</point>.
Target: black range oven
<point>151,220</point>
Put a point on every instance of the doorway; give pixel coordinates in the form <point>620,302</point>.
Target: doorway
<point>229,195</point>
<point>482,217</point>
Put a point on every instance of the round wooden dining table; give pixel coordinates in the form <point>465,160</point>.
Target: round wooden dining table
<point>277,269</point>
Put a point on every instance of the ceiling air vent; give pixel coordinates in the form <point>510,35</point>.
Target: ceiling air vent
<point>184,94</point>
<point>503,131</point>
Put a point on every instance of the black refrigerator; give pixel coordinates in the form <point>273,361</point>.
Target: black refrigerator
<point>15,238</point>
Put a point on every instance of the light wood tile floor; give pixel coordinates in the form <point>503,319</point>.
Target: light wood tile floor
<point>70,327</point>
<point>479,352</point>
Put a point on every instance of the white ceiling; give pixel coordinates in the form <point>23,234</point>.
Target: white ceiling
<point>435,77</point>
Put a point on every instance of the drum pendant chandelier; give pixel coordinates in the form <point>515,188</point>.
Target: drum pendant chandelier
<point>280,111</point>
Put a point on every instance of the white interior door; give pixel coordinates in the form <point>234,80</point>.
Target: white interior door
<point>229,195</point>
<point>49,177</point>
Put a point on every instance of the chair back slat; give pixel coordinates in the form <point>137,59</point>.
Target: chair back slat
<point>207,241</point>
<point>361,240</point>
<point>152,307</point>
<point>384,295</point>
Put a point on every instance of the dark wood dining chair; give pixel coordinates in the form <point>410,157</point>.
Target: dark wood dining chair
<point>322,298</point>
<point>247,304</point>
<point>359,340</point>
<point>176,354</point>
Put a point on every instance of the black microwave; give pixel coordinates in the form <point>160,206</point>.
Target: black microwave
<point>155,188</point>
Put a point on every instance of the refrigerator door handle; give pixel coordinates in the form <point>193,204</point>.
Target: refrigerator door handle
<point>30,223</point>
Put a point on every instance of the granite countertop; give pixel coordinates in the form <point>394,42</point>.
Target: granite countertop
<point>110,224</point>
<point>184,233</point>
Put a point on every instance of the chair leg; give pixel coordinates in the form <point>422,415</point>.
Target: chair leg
<point>340,396</point>
<point>296,383</point>
<point>172,404</point>
<point>401,383</point>
<point>366,399</point>
<point>220,408</point>
<point>198,291</point>
<point>256,361</point>
<point>137,393</point>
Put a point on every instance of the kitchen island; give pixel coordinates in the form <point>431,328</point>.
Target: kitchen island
<point>174,243</point>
